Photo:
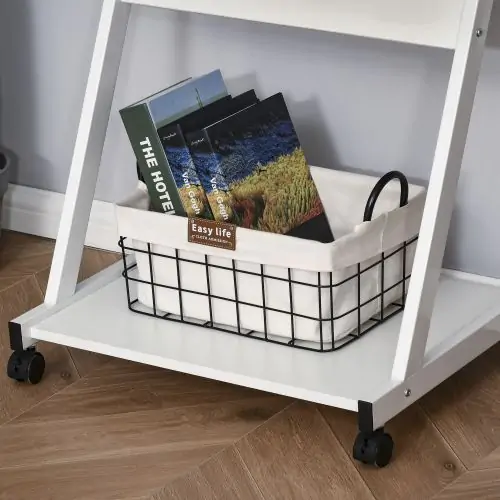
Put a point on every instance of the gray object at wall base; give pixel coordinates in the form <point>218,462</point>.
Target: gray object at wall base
<point>4,179</point>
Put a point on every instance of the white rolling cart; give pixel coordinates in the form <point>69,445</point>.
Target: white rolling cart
<point>450,317</point>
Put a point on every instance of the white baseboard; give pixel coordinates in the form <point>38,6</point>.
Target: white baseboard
<point>37,211</point>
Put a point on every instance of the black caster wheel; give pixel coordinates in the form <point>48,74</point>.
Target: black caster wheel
<point>373,448</point>
<point>26,366</point>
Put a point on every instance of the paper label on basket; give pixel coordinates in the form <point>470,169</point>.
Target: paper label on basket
<point>212,233</point>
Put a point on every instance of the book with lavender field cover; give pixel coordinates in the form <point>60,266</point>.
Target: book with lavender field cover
<point>179,156</point>
<point>180,162</point>
<point>203,154</point>
<point>259,171</point>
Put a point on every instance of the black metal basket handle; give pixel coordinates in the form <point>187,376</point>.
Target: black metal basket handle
<point>379,187</point>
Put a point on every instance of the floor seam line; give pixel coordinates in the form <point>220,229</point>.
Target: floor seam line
<point>225,448</point>
<point>496,450</point>
<point>21,280</point>
<point>448,486</point>
<point>249,473</point>
<point>449,446</point>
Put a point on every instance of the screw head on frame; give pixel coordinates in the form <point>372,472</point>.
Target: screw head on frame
<point>479,32</point>
<point>407,393</point>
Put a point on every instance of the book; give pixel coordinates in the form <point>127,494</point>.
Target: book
<point>143,118</point>
<point>259,176</point>
<point>203,155</point>
<point>179,157</point>
<point>181,165</point>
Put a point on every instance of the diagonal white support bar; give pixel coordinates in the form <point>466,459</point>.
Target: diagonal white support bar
<point>442,188</point>
<point>88,150</point>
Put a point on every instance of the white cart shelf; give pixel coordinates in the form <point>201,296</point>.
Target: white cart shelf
<point>450,318</point>
<point>99,322</point>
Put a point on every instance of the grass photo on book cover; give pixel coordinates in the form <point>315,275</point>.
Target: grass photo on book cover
<point>262,171</point>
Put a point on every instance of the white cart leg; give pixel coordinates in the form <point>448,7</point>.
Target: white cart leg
<point>372,444</point>
<point>88,150</point>
<point>84,168</point>
<point>442,188</point>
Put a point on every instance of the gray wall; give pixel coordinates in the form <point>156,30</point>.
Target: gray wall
<point>357,103</point>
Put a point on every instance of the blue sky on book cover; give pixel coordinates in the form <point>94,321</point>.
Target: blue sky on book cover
<point>188,97</point>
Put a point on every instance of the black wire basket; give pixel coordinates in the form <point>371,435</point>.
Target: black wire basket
<point>325,286</point>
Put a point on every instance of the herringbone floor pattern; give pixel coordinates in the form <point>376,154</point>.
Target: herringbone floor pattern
<point>97,428</point>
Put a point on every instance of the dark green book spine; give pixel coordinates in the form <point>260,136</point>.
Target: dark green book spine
<point>152,161</point>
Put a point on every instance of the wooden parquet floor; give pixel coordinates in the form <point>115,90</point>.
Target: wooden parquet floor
<point>98,428</point>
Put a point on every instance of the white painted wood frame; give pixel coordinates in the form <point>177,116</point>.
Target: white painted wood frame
<point>426,344</point>
<point>422,22</point>
<point>442,187</point>
<point>88,150</point>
